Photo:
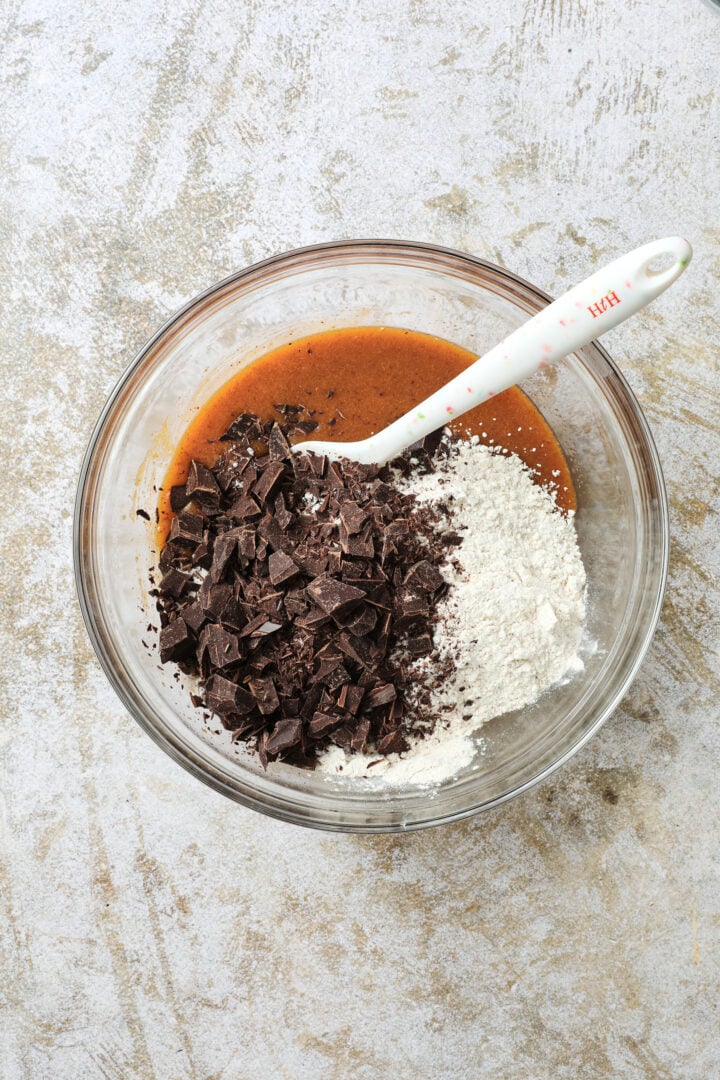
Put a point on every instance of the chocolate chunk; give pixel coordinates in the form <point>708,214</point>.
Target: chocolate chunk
<point>278,446</point>
<point>353,699</point>
<point>313,619</point>
<point>420,645</point>
<point>178,498</point>
<point>336,678</point>
<point>213,597</point>
<point>202,486</point>
<point>307,426</point>
<point>253,626</point>
<point>232,616</point>
<point>296,603</point>
<point>352,517</point>
<point>283,516</point>
<point>222,554</point>
<point>451,539</point>
<point>174,583</point>
<point>318,464</point>
<point>332,596</point>
<point>194,616</point>
<point>186,529</point>
<point>361,650</point>
<point>359,736</point>
<point>363,622</point>
<point>281,568</point>
<point>244,509</point>
<point>224,696</point>
<point>268,480</point>
<point>265,694</point>
<point>142,514</point>
<point>270,531</point>
<point>381,695</point>
<point>247,480</point>
<point>246,544</point>
<point>362,547</point>
<point>220,646</point>
<point>334,475</point>
<point>175,641</point>
<point>392,743</point>
<point>342,736</point>
<point>246,428</point>
<point>322,723</point>
<point>286,733</point>
<point>312,565</point>
<point>424,576</point>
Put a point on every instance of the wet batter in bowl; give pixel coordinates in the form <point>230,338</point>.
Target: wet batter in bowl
<point>357,381</point>
<point>312,599</point>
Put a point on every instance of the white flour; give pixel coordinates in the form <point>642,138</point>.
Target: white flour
<point>511,622</point>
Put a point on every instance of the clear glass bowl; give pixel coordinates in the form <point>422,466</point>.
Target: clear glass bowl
<point>621,519</point>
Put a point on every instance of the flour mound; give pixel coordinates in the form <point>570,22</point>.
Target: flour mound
<point>511,623</point>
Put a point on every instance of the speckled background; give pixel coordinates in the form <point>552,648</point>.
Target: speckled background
<point>152,929</point>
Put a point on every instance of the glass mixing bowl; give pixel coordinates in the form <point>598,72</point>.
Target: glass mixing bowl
<point>621,519</point>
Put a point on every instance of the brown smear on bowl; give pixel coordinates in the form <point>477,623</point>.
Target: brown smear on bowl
<point>356,381</point>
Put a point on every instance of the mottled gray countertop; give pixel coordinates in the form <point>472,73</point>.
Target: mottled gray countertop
<point>149,927</point>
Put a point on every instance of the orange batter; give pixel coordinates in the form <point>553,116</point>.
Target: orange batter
<point>357,381</point>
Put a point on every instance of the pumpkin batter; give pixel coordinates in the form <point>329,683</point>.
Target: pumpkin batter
<point>356,381</point>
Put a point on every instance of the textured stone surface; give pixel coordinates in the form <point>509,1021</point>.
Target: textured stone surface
<point>151,929</point>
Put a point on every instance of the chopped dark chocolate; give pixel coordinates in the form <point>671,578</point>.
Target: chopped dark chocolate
<point>424,575</point>
<point>320,589</point>
<point>244,509</point>
<point>268,480</point>
<point>322,723</point>
<point>194,616</point>
<point>265,694</point>
<point>278,446</point>
<point>381,695</point>
<point>392,743</point>
<point>174,583</point>
<point>178,498</point>
<point>220,645</point>
<point>420,645</point>
<point>281,568</point>
<point>223,552</point>
<point>224,696</point>
<point>175,641</point>
<point>352,517</point>
<point>333,596</point>
<point>286,733</point>
<point>186,529</point>
<point>202,486</point>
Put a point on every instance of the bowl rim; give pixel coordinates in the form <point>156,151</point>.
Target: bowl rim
<point>286,260</point>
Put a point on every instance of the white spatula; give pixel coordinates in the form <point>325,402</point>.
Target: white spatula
<point>606,298</point>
